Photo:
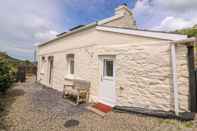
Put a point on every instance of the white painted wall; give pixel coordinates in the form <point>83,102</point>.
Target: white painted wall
<point>143,72</point>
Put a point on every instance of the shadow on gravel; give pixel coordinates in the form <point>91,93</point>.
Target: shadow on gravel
<point>52,100</point>
<point>6,100</point>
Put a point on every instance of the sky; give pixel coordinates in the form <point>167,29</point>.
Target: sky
<point>26,23</point>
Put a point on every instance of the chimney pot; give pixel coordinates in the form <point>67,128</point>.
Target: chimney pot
<point>125,4</point>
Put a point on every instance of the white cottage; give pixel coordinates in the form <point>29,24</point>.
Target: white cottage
<point>126,66</point>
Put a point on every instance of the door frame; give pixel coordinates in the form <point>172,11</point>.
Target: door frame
<point>101,70</point>
<point>50,70</point>
<point>192,80</point>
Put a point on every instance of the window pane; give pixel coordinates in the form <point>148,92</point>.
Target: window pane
<point>108,68</point>
<point>72,63</point>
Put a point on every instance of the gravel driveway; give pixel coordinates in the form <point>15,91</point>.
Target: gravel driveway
<point>31,107</point>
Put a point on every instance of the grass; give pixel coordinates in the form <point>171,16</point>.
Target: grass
<point>179,125</point>
<point>189,124</point>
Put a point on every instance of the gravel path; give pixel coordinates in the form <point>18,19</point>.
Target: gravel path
<point>31,107</point>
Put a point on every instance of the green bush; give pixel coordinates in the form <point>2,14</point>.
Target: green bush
<point>6,76</point>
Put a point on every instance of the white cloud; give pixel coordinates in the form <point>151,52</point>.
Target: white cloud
<point>142,7</point>
<point>22,50</point>
<point>172,23</point>
<point>176,5</point>
<point>44,36</point>
<point>25,22</point>
<point>166,15</point>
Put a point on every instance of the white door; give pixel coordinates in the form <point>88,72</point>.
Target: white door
<point>107,81</point>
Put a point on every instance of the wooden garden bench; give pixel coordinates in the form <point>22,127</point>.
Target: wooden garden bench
<point>79,89</point>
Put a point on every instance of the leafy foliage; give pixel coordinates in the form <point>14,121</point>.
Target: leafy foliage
<point>12,61</point>
<point>6,75</point>
<point>191,32</point>
<point>8,70</point>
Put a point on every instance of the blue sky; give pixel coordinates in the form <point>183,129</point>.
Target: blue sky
<point>79,12</point>
<point>25,23</point>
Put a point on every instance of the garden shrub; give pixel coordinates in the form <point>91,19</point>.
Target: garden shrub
<point>6,76</point>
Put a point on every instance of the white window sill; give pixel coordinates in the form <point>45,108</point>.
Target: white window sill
<point>41,73</point>
<point>69,77</point>
<point>72,77</point>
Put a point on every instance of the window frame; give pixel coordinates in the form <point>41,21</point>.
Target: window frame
<point>42,70</point>
<point>104,73</point>
<point>70,60</point>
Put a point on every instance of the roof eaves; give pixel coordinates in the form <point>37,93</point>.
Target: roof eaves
<point>189,41</point>
<point>144,33</point>
<point>144,30</point>
<point>58,35</point>
<point>101,22</point>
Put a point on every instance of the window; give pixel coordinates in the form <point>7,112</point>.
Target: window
<point>71,64</point>
<point>42,64</point>
<point>108,68</point>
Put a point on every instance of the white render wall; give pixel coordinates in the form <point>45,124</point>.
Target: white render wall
<point>143,67</point>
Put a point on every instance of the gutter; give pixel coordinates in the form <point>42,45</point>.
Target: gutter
<point>174,70</point>
<point>188,41</point>
<point>174,78</point>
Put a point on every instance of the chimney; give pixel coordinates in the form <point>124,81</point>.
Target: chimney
<point>122,10</point>
<point>123,18</point>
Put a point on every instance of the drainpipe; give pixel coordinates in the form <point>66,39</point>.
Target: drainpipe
<point>174,76</point>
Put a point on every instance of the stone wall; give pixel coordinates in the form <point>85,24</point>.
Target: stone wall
<point>145,78</point>
<point>183,76</point>
<point>143,73</point>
